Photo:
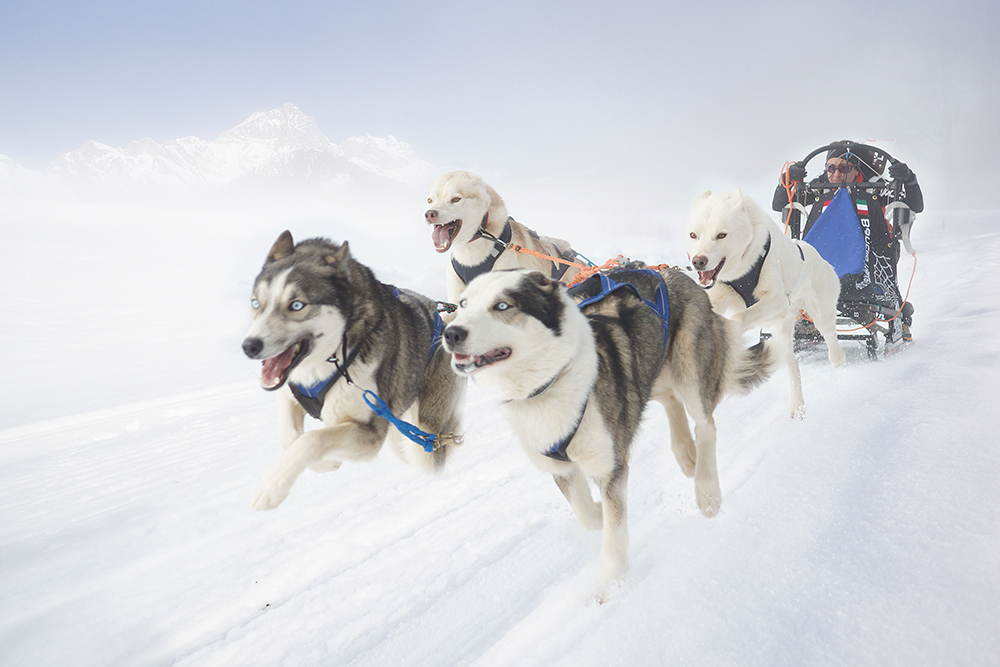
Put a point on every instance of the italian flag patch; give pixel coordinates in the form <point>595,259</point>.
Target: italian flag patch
<point>862,207</point>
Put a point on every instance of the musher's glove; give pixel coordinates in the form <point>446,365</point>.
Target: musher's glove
<point>900,172</point>
<point>796,171</point>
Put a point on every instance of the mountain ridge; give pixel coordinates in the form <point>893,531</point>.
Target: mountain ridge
<point>281,145</point>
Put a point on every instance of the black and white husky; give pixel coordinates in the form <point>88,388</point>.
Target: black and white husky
<point>575,381</point>
<point>326,331</point>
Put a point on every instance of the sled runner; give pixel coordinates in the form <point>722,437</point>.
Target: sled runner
<point>861,247</point>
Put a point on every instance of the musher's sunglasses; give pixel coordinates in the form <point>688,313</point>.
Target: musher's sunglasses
<point>842,168</point>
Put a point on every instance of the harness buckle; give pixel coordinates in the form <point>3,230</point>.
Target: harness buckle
<point>448,440</point>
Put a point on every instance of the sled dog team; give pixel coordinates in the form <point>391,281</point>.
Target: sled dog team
<point>573,367</point>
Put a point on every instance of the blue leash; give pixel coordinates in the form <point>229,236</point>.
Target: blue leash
<point>429,441</point>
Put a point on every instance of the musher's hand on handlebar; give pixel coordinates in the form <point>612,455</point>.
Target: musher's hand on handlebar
<point>900,171</point>
<point>796,172</point>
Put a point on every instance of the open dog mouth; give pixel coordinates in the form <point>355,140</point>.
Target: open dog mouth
<point>443,234</point>
<point>469,363</point>
<point>707,278</point>
<point>274,371</point>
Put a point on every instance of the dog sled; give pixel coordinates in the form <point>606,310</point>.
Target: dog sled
<point>863,254</point>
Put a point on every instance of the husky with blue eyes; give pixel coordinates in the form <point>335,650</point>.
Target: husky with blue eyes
<point>575,369</point>
<point>325,331</point>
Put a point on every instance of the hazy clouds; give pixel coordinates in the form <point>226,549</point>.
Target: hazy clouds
<point>644,91</point>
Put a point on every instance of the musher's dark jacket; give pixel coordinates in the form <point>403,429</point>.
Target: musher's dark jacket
<point>878,281</point>
<point>875,194</point>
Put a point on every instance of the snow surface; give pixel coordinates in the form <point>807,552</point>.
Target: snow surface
<point>133,435</point>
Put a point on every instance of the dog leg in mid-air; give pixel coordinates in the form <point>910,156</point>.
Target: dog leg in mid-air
<point>681,441</point>
<point>343,442</point>
<point>291,426</point>
<point>291,420</point>
<point>825,321</point>
<point>829,333</point>
<point>784,334</point>
<point>707,492</point>
<point>576,490</point>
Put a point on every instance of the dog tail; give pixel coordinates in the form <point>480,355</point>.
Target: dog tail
<point>752,366</point>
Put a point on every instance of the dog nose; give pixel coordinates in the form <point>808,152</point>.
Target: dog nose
<point>699,262</point>
<point>431,215</point>
<point>455,335</point>
<point>252,347</point>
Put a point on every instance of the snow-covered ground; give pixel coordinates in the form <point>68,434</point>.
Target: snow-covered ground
<point>133,435</point>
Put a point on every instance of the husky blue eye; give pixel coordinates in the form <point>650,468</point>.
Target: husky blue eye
<point>255,303</point>
<point>503,305</point>
<point>461,304</point>
<point>296,305</point>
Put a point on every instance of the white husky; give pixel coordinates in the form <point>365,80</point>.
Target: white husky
<point>762,277</point>
<point>469,218</point>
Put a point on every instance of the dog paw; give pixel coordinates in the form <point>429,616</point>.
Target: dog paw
<point>326,466</point>
<point>837,356</point>
<point>608,587</point>
<point>270,494</point>
<point>686,460</point>
<point>592,520</point>
<point>709,499</point>
<point>798,412</point>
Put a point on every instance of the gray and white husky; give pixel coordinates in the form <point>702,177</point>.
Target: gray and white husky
<point>326,330</point>
<point>575,381</point>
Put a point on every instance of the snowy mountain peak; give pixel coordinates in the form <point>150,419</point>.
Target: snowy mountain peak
<point>387,152</point>
<point>285,128</point>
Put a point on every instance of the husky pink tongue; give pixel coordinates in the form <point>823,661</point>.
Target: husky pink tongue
<point>274,368</point>
<point>706,277</point>
<point>441,236</point>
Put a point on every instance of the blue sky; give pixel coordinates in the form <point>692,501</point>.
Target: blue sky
<point>510,85</point>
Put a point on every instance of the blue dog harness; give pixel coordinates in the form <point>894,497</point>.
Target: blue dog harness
<point>661,307</point>
<point>311,397</point>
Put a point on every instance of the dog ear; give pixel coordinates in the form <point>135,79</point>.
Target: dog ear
<point>540,297</point>
<point>704,195</point>
<point>283,247</point>
<point>542,281</point>
<point>739,201</point>
<point>339,256</point>
<point>494,200</point>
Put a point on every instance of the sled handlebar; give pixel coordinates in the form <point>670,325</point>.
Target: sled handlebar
<point>851,146</point>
